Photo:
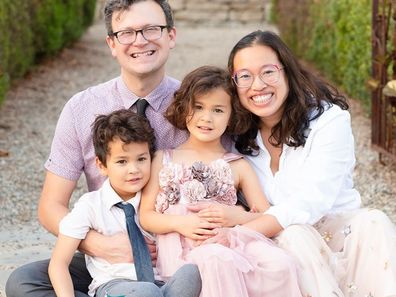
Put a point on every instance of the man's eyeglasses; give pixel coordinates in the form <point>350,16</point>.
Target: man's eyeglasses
<point>129,36</point>
<point>269,74</point>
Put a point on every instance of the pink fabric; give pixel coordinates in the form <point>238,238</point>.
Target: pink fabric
<point>350,254</point>
<point>195,183</point>
<point>72,150</point>
<point>250,265</point>
<point>246,264</point>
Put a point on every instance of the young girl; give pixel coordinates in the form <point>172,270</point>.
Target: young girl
<point>233,262</point>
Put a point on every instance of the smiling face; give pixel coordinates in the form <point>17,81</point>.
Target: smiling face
<point>265,101</point>
<point>210,116</point>
<point>127,167</point>
<point>142,58</point>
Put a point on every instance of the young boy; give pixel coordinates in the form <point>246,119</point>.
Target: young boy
<point>124,143</point>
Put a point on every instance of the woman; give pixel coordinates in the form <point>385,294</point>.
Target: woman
<point>301,145</point>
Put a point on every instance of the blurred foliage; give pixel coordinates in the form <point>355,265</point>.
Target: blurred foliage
<point>333,34</point>
<point>35,29</point>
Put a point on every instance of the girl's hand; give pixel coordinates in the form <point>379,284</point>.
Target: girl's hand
<point>197,228</point>
<point>223,215</point>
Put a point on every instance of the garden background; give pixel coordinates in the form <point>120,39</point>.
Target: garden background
<point>46,56</point>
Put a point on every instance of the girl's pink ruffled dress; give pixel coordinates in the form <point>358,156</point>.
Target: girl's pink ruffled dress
<point>250,266</point>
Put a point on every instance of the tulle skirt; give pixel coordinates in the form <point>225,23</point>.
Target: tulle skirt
<point>350,254</point>
<point>247,264</point>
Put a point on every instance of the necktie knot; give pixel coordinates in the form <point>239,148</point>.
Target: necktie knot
<point>141,106</point>
<point>128,208</point>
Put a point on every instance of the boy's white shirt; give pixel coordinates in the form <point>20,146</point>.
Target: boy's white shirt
<point>96,210</point>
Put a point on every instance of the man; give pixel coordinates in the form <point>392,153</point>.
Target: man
<point>141,34</point>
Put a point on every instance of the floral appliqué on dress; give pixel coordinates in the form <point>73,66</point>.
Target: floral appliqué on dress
<point>199,182</point>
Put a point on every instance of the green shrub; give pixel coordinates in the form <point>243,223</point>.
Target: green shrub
<point>17,38</point>
<point>4,83</point>
<point>4,50</point>
<point>88,12</point>
<point>49,20</point>
<point>335,35</point>
<point>35,29</point>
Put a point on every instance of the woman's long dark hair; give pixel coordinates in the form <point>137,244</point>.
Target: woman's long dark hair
<point>304,101</point>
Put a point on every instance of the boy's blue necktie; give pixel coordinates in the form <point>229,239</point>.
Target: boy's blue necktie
<point>141,255</point>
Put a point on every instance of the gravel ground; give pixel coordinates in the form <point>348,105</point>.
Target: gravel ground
<point>29,115</point>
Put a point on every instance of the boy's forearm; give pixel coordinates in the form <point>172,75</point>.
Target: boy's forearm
<point>58,268</point>
<point>61,279</point>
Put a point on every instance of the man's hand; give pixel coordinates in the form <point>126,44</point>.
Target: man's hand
<point>152,249</point>
<point>114,249</point>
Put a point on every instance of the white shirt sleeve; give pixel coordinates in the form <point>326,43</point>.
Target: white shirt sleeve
<point>310,181</point>
<point>78,222</point>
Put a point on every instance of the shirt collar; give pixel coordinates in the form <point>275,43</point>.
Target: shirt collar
<point>111,197</point>
<point>263,149</point>
<point>260,142</point>
<point>154,98</point>
<point>128,98</point>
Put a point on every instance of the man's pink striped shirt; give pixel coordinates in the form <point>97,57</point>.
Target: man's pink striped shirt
<point>72,151</point>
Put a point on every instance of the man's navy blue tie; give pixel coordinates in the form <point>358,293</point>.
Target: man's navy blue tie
<point>141,254</point>
<point>141,106</point>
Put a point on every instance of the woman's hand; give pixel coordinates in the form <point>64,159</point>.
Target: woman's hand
<point>221,237</point>
<point>197,228</point>
<point>223,215</point>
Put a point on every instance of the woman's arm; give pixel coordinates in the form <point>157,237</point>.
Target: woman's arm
<point>191,226</point>
<point>58,269</point>
<point>266,224</point>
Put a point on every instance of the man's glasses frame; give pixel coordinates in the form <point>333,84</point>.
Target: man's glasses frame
<point>149,33</point>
